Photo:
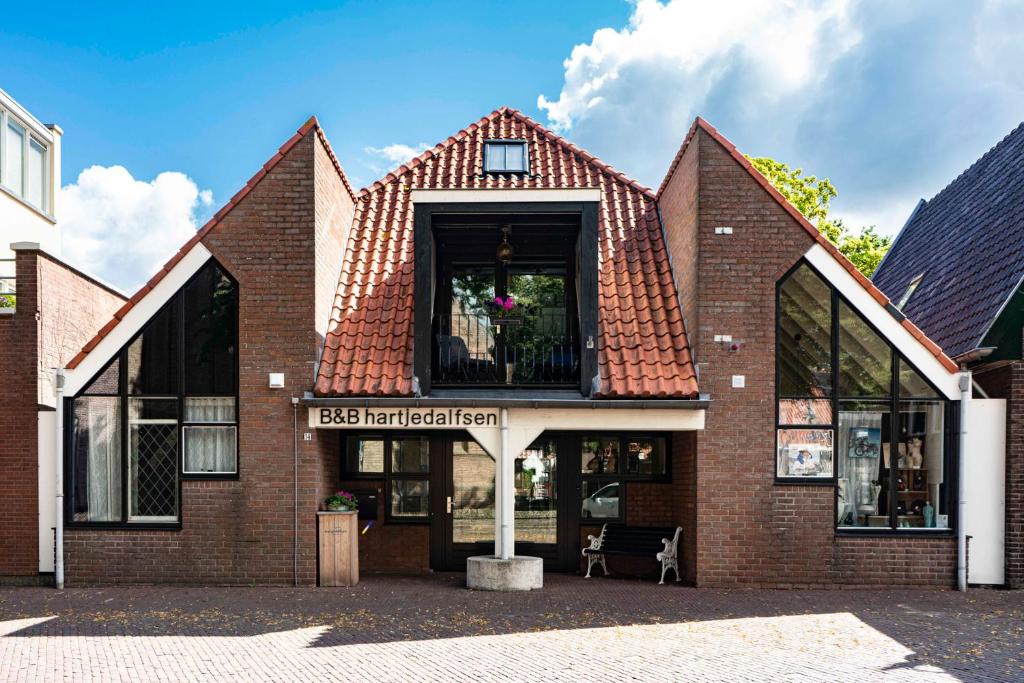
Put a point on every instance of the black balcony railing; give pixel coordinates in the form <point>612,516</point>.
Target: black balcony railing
<point>520,349</point>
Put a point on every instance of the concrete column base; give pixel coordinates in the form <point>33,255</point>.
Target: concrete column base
<point>490,573</point>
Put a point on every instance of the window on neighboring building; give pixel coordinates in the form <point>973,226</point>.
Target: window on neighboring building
<point>880,437</point>
<point>403,462</point>
<point>911,288</point>
<point>166,406</point>
<point>24,162</point>
<point>506,157</point>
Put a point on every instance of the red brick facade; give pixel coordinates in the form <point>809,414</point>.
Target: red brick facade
<point>242,531</point>
<point>750,531</point>
<point>283,242</point>
<point>57,310</point>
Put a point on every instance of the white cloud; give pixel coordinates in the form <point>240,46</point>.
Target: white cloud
<point>397,153</point>
<point>123,229</point>
<point>676,54</point>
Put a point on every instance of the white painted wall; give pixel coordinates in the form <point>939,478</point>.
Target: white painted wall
<point>19,222</point>
<point>47,487</point>
<point>985,490</point>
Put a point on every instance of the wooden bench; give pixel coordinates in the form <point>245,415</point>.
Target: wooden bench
<point>658,543</point>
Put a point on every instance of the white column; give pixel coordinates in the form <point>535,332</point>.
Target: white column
<point>505,498</point>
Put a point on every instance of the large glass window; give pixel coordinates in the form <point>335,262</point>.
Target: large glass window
<point>853,412</point>
<point>137,420</point>
<point>14,156</point>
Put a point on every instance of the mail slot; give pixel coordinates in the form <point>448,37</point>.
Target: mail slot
<point>367,504</point>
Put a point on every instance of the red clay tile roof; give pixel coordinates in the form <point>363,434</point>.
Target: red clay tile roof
<point>311,124</point>
<point>642,346</point>
<point>874,291</point>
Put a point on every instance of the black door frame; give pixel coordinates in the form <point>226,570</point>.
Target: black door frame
<point>447,556</point>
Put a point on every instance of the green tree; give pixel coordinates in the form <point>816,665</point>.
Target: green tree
<point>811,197</point>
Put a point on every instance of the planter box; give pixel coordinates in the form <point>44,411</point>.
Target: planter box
<point>339,548</point>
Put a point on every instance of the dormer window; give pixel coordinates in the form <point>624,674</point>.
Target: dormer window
<point>911,288</point>
<point>506,156</point>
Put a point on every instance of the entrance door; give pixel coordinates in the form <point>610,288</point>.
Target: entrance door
<point>463,524</point>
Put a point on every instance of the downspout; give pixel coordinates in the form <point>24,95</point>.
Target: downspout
<point>295,492</point>
<point>961,521</point>
<point>58,560</point>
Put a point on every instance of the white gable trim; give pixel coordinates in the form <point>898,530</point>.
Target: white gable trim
<point>136,318</point>
<point>875,313</point>
<point>492,195</point>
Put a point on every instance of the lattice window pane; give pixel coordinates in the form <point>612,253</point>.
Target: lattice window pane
<point>154,476</point>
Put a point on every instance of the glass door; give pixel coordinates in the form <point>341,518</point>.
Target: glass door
<point>465,526</point>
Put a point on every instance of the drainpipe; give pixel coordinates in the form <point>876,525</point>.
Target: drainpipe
<point>58,560</point>
<point>507,505</point>
<point>295,492</point>
<point>961,522</point>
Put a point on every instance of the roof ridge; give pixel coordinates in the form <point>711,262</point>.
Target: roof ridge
<point>506,110</point>
<point>202,232</point>
<point>869,286</point>
<point>1018,129</point>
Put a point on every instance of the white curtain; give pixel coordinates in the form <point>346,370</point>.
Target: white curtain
<point>102,441</point>
<point>210,447</point>
<point>858,473</point>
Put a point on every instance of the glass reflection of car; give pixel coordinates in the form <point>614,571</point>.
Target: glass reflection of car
<point>602,503</point>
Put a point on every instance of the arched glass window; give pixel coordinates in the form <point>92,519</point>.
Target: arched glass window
<point>163,408</point>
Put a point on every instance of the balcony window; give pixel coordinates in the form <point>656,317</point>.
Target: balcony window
<point>506,321</point>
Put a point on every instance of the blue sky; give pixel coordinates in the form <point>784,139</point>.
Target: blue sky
<point>889,100</point>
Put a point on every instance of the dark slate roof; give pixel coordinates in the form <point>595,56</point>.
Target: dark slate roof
<point>968,241</point>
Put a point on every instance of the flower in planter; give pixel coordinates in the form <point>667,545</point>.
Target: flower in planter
<point>342,500</point>
<point>498,305</point>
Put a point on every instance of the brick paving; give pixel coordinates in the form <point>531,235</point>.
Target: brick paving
<point>430,628</point>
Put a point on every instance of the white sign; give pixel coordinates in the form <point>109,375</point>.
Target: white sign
<point>402,418</point>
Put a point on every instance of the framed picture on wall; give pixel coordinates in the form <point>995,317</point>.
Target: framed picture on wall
<point>804,454</point>
<point>864,442</point>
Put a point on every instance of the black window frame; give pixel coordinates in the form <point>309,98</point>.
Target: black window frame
<point>514,142</point>
<point>388,476</point>
<point>621,476</point>
<point>892,401</point>
<point>121,357</point>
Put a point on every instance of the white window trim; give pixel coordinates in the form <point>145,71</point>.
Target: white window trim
<point>29,135</point>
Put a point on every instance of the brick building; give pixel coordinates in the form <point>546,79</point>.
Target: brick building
<point>956,269</point>
<point>499,347</point>
<point>52,309</point>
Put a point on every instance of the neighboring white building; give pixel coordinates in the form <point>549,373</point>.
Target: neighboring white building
<point>29,181</point>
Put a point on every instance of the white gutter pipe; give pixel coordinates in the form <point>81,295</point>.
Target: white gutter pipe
<point>58,562</point>
<point>961,521</point>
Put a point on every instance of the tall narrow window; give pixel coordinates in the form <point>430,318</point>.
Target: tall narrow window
<point>804,448</point>
<point>35,183</point>
<point>14,155</point>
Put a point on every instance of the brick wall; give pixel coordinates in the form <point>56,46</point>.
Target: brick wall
<point>58,309</point>
<point>273,241</point>
<point>750,531</point>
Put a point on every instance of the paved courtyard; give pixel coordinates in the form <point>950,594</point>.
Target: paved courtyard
<point>430,628</point>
